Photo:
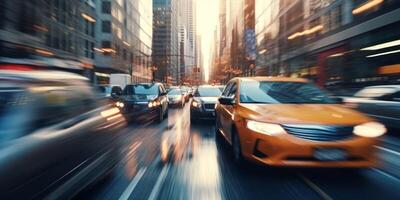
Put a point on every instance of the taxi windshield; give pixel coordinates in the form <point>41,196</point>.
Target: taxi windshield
<point>282,93</point>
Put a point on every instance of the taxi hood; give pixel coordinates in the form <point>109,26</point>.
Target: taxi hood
<point>327,114</point>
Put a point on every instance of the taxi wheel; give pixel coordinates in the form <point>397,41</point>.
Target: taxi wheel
<point>236,149</point>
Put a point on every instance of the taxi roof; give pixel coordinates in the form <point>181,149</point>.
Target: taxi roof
<point>273,78</point>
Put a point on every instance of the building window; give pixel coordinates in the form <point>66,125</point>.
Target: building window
<point>105,44</point>
<point>117,50</point>
<point>124,54</point>
<point>106,26</point>
<point>106,7</point>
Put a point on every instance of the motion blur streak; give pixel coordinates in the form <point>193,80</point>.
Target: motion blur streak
<point>113,117</point>
<point>109,113</point>
<point>199,99</point>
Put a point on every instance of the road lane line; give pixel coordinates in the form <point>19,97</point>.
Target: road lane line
<point>160,181</point>
<point>387,175</point>
<point>388,150</point>
<point>128,191</point>
<point>318,190</point>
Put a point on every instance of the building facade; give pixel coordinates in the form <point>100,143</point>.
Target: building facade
<point>186,39</point>
<point>237,43</point>
<point>124,37</point>
<point>165,41</point>
<point>60,33</point>
<point>336,43</point>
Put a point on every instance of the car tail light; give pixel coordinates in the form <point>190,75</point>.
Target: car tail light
<point>17,67</point>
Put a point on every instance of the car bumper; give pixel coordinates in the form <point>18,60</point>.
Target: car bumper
<point>175,102</point>
<point>202,113</point>
<point>290,151</point>
<point>142,112</point>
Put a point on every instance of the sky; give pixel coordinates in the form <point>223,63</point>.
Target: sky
<point>207,20</point>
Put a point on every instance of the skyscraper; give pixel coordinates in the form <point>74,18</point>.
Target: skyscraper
<point>186,36</point>
<point>57,32</point>
<point>124,33</point>
<point>165,40</point>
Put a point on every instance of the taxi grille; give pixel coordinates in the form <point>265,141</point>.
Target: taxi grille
<point>209,106</point>
<point>320,132</point>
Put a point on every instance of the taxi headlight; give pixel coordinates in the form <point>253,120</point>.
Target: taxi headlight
<point>370,129</point>
<point>265,128</point>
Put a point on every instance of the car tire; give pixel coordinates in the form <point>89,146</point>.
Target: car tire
<point>160,117</point>
<point>166,114</point>
<point>218,135</point>
<point>236,148</point>
<point>192,119</point>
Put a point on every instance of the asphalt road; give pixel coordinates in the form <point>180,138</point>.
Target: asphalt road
<point>202,168</point>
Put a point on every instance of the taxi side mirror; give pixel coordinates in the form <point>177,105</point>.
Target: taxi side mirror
<point>226,100</point>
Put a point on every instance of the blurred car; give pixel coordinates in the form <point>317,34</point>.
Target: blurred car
<point>381,102</point>
<point>53,133</point>
<point>144,101</point>
<point>103,93</point>
<point>176,97</point>
<point>186,93</point>
<point>290,122</point>
<point>203,103</point>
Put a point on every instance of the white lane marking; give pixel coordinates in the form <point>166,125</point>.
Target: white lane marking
<point>388,150</point>
<point>128,191</point>
<point>133,148</point>
<point>315,188</point>
<point>160,181</point>
<point>387,175</point>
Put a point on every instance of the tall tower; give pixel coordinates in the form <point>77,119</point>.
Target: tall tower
<point>165,40</point>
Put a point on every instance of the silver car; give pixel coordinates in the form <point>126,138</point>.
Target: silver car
<point>203,104</point>
<point>176,97</point>
<point>381,102</point>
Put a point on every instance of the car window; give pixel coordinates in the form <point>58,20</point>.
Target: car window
<point>16,113</point>
<point>62,104</point>
<point>141,89</point>
<point>268,92</point>
<point>175,92</point>
<point>390,97</point>
<point>232,91</point>
<point>227,89</point>
<point>162,89</point>
<point>207,92</point>
<point>375,92</point>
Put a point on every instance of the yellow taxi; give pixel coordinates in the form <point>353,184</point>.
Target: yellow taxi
<point>281,121</point>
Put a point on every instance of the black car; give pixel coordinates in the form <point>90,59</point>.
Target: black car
<point>381,102</point>
<point>144,101</point>
<point>55,138</point>
<point>203,104</point>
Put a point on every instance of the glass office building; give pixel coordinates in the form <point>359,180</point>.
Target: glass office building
<point>336,43</point>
